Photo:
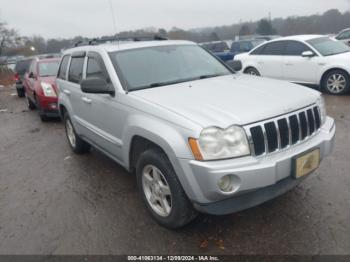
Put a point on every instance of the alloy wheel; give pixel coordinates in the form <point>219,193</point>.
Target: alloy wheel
<point>156,190</point>
<point>336,83</point>
<point>70,133</point>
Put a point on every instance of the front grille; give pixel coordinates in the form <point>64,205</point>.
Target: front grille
<point>282,132</point>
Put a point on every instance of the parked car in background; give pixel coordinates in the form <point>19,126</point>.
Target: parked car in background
<point>226,53</point>
<point>21,67</point>
<point>307,59</point>
<point>344,36</point>
<point>267,37</point>
<point>40,87</point>
<point>198,136</point>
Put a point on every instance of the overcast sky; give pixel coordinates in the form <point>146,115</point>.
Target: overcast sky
<point>68,18</point>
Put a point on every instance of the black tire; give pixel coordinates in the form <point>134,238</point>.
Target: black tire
<point>182,211</point>
<point>342,88</point>
<point>30,104</point>
<point>80,146</point>
<point>20,93</point>
<point>252,71</point>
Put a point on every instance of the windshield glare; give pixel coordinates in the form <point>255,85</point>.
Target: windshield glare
<point>164,65</point>
<point>327,46</point>
<point>48,69</point>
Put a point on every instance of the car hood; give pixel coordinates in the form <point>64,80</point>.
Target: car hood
<point>343,56</point>
<point>228,100</point>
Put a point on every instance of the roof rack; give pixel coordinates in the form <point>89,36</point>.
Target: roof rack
<point>98,41</point>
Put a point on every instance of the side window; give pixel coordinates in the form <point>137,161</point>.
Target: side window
<point>63,68</point>
<point>95,68</point>
<point>345,35</point>
<point>235,47</point>
<point>294,48</point>
<point>258,51</point>
<point>274,48</point>
<point>76,70</point>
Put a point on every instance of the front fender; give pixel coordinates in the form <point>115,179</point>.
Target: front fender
<point>331,67</point>
<point>171,138</point>
<point>167,136</point>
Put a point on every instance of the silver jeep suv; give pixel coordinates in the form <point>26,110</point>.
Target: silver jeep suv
<point>198,136</point>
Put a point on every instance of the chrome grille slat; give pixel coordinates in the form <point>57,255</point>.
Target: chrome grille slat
<point>289,132</point>
<point>278,135</point>
<point>263,142</point>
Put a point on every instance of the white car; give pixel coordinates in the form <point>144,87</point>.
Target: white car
<point>305,59</point>
<point>344,36</point>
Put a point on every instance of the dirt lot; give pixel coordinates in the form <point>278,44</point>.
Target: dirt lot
<point>54,202</point>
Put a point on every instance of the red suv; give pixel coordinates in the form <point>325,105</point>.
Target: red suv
<point>40,87</point>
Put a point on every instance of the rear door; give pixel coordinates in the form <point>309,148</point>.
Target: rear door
<point>297,68</point>
<point>269,59</point>
<point>79,112</point>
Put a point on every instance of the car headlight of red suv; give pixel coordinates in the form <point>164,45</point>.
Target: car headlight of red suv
<point>48,90</point>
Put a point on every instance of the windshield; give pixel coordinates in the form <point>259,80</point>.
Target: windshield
<point>165,65</point>
<point>327,46</point>
<point>48,68</point>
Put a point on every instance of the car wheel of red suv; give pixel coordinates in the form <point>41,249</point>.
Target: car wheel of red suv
<point>30,104</point>
<point>78,145</point>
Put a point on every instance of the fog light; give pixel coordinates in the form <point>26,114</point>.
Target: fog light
<point>53,105</point>
<point>225,184</point>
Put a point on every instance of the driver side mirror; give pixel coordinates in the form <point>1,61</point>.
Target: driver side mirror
<point>96,85</point>
<point>31,75</point>
<point>308,54</point>
<point>235,65</point>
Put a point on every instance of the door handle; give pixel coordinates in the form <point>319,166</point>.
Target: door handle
<point>260,62</point>
<point>86,100</point>
<point>67,92</point>
<point>289,64</point>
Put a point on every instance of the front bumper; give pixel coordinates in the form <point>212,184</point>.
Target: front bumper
<point>258,179</point>
<point>49,106</point>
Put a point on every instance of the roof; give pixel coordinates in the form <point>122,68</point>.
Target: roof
<point>299,37</point>
<point>48,60</point>
<point>123,45</point>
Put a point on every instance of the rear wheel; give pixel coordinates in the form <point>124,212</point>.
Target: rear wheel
<point>20,93</point>
<point>336,82</point>
<point>252,71</point>
<point>161,190</point>
<point>78,145</point>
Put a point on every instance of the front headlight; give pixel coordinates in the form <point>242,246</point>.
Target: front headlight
<point>216,143</point>
<point>48,90</point>
<point>322,105</point>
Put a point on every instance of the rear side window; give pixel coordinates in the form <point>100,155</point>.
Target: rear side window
<point>63,68</point>
<point>76,70</point>
<point>274,48</point>
<point>258,50</point>
<point>22,66</point>
<point>294,48</point>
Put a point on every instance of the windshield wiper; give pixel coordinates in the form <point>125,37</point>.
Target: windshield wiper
<point>209,76</point>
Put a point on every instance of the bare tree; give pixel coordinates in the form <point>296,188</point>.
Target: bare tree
<point>8,37</point>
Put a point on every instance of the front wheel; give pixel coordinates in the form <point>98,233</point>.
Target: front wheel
<point>161,190</point>
<point>252,71</point>
<point>336,82</point>
<point>30,104</point>
<point>78,145</point>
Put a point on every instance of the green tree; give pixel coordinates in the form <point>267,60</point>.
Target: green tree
<point>245,30</point>
<point>265,28</point>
